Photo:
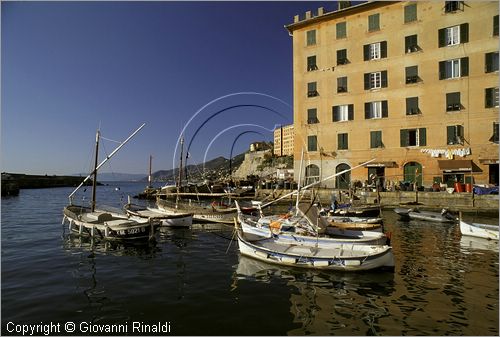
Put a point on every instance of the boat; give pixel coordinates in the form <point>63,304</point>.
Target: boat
<point>479,230</point>
<point>100,223</point>
<point>356,211</point>
<point>202,212</point>
<point>333,226</point>
<point>355,219</point>
<point>416,214</point>
<point>170,218</point>
<point>341,257</point>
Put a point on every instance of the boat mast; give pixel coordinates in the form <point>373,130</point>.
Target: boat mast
<point>94,179</point>
<point>149,176</point>
<point>179,180</point>
<point>298,185</point>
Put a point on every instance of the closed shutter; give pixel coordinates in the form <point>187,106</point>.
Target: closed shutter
<point>488,97</point>
<point>450,134</point>
<point>464,33</point>
<point>403,134</point>
<point>367,110</point>
<point>366,52</point>
<point>383,49</point>
<point>464,66</point>
<point>367,81</point>
<point>385,110</point>
<point>422,139</point>
<point>442,37</point>
<point>442,70</point>
<point>335,112</point>
<point>351,112</point>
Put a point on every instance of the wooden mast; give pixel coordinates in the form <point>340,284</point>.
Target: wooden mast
<point>149,176</point>
<point>94,179</point>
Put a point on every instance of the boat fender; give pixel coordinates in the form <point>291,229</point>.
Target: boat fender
<point>275,227</point>
<point>285,216</point>
<point>388,237</point>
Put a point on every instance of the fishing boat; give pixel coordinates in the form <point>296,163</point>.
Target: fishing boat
<point>102,224</point>
<point>479,230</point>
<point>342,257</point>
<point>169,218</point>
<point>356,211</point>
<point>202,212</point>
<point>416,214</point>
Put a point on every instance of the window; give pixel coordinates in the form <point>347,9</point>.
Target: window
<point>454,68</point>
<point>491,62</point>
<point>311,63</point>
<point>454,135</point>
<point>376,139</point>
<point>412,106</point>
<point>491,98</point>
<point>453,6</point>
<point>451,36</point>
<point>410,13</point>
<point>375,110</point>
<point>453,101</point>
<point>342,113</point>
<point>312,143</point>
<point>413,137</point>
<point>342,141</point>
<point>411,74</point>
<point>311,37</point>
<point>375,51</point>
<point>342,56</point>
<point>341,30</point>
<point>312,89</point>
<point>495,25</point>
<point>342,84</point>
<point>373,22</point>
<point>411,44</point>
<point>312,117</point>
<point>495,137</point>
<point>376,80</point>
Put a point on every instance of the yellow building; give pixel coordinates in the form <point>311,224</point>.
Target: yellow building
<point>283,141</point>
<point>413,84</point>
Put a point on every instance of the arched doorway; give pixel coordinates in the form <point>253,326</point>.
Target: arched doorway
<point>343,181</point>
<point>413,173</point>
<point>312,174</point>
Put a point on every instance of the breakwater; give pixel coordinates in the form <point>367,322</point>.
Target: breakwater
<point>465,202</point>
<point>13,182</point>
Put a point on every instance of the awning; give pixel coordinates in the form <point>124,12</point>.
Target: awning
<point>455,165</point>
<point>381,164</point>
<point>488,161</point>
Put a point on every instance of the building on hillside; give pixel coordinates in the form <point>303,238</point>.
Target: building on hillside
<point>413,84</point>
<point>284,140</point>
<point>259,146</point>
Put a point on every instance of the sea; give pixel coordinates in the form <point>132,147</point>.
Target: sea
<point>195,282</point>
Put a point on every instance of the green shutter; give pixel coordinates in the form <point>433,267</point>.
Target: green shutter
<point>450,134</point>
<point>464,66</point>
<point>341,30</point>
<point>422,139</point>
<point>383,49</point>
<point>311,37</point>
<point>488,97</point>
<point>410,13</point>
<point>403,134</point>
<point>385,109</point>
<point>464,33</point>
<point>373,22</point>
<point>442,37</point>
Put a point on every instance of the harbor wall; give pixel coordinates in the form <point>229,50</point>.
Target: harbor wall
<point>23,181</point>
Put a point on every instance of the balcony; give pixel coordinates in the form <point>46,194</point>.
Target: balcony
<point>411,79</point>
<point>453,107</point>
<point>312,93</point>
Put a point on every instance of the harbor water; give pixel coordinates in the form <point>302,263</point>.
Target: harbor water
<point>194,282</point>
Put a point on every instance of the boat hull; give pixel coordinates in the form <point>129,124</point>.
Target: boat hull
<point>484,231</point>
<point>408,214</point>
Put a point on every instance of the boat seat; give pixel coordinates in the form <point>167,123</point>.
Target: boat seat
<point>100,217</point>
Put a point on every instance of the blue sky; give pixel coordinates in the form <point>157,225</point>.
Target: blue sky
<point>68,67</point>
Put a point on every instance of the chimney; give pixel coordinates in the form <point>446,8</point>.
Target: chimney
<point>308,15</point>
<point>344,4</point>
<point>296,19</point>
<point>320,11</point>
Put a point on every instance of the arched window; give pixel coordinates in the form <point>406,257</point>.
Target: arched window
<point>344,180</point>
<point>312,174</point>
<point>413,173</point>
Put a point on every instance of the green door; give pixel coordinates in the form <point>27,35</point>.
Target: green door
<point>344,180</point>
<point>413,173</point>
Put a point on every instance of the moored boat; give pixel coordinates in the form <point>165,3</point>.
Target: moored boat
<point>416,214</point>
<point>479,230</point>
<point>170,218</point>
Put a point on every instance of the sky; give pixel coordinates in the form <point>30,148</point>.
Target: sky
<point>220,73</point>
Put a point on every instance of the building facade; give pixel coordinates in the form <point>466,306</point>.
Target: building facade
<point>412,84</point>
<point>284,140</point>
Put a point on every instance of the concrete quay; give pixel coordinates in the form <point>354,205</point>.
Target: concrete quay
<point>12,182</point>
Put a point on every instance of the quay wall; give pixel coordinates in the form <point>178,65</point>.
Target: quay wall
<point>466,202</point>
<point>41,181</point>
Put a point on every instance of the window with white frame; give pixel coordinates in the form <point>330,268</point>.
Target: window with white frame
<point>376,109</point>
<point>452,35</point>
<point>343,113</point>
<point>376,80</point>
<point>375,51</point>
<point>452,68</point>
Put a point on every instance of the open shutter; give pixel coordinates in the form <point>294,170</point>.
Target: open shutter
<point>488,97</point>
<point>385,110</point>
<point>384,78</point>
<point>450,134</point>
<point>367,110</point>
<point>366,52</point>
<point>383,49</point>
<point>350,111</point>
<point>367,81</point>
<point>464,33</point>
<point>442,70</point>
<point>403,134</point>
<point>422,139</point>
<point>464,66</point>
<point>442,37</point>
<point>373,139</point>
<point>335,111</point>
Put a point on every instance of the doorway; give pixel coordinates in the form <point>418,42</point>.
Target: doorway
<point>413,173</point>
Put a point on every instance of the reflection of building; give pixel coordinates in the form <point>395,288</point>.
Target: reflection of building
<point>283,140</point>
<point>412,84</point>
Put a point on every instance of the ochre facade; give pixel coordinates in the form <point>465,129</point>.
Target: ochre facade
<point>434,123</point>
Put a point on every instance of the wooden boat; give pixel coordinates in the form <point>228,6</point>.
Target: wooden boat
<point>201,212</point>
<point>416,214</point>
<point>334,227</point>
<point>357,211</point>
<point>479,230</point>
<point>343,257</point>
<point>165,217</point>
<point>355,219</point>
<point>102,224</point>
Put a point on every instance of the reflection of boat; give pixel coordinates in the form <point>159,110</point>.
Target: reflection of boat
<point>416,214</point>
<point>475,243</point>
<point>118,248</point>
<point>345,257</point>
<point>170,218</point>
<point>479,230</point>
<point>102,224</point>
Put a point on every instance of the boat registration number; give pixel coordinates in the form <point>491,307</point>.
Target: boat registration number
<point>132,231</point>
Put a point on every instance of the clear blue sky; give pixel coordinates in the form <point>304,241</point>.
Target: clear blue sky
<point>68,67</point>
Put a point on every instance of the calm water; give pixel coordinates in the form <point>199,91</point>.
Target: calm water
<point>442,285</point>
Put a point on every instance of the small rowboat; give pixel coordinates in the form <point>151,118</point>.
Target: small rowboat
<point>166,217</point>
<point>416,214</point>
<point>479,230</point>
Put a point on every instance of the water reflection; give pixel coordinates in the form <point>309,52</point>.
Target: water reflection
<point>324,303</point>
<point>470,244</point>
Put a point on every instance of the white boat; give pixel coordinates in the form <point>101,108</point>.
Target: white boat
<point>356,219</point>
<point>416,214</point>
<point>169,218</point>
<point>479,230</point>
<point>103,224</point>
<point>343,257</point>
